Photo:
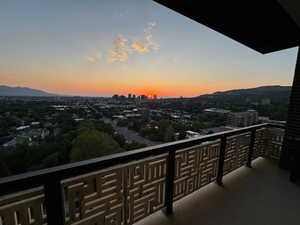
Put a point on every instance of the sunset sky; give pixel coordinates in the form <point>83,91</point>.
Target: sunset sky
<point>105,47</point>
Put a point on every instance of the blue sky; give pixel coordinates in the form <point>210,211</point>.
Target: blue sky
<point>74,47</point>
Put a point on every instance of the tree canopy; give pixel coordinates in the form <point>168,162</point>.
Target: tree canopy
<point>91,143</point>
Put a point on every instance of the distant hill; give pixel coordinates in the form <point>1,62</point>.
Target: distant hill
<point>274,93</point>
<point>264,91</point>
<point>23,91</point>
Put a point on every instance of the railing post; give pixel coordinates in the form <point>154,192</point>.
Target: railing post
<point>54,203</point>
<point>170,176</point>
<point>251,148</point>
<point>221,160</point>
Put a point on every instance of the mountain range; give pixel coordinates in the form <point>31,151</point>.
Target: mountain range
<point>264,91</point>
<point>23,91</point>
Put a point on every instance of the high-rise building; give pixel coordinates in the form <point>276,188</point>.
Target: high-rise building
<point>129,96</point>
<point>122,97</point>
<point>144,97</point>
<point>115,96</point>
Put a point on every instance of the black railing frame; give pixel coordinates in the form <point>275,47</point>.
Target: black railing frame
<point>221,160</point>
<point>51,178</point>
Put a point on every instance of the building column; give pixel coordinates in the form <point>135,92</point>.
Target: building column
<point>291,142</point>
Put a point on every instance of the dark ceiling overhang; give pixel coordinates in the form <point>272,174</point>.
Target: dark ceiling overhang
<point>263,25</point>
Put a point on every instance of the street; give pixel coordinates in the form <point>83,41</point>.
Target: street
<point>130,135</point>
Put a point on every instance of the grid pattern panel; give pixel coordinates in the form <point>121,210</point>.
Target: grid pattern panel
<point>236,153</point>
<point>274,143</point>
<point>95,198</point>
<point>145,188</point>
<point>99,198</point>
<point>23,208</point>
<point>260,143</point>
<point>195,167</point>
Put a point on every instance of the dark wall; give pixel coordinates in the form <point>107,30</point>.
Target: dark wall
<point>291,145</point>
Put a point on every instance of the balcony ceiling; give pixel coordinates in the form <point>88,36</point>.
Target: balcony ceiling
<point>265,26</point>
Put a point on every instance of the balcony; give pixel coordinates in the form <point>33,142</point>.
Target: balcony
<point>127,188</point>
<point>255,196</point>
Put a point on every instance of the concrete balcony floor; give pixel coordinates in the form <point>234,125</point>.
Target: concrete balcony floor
<point>262,195</point>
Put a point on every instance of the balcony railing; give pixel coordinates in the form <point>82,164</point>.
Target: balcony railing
<point>127,187</point>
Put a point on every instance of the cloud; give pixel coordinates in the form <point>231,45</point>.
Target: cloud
<point>153,45</point>
<point>94,59</point>
<point>140,47</point>
<point>124,46</point>
<point>90,59</point>
<point>98,55</point>
<point>120,52</point>
<point>149,27</point>
<point>147,44</point>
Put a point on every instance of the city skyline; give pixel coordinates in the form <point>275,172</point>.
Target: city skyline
<point>101,48</point>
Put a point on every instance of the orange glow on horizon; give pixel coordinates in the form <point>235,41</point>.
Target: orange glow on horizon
<point>102,86</point>
<point>96,89</point>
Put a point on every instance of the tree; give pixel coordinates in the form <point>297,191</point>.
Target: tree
<point>120,139</point>
<point>134,145</point>
<point>182,135</point>
<point>101,126</point>
<point>92,143</point>
<point>122,123</point>
<point>169,134</point>
<point>51,160</point>
<point>4,171</point>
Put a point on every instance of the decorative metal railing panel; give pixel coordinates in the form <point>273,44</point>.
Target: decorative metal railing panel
<point>95,198</point>
<point>274,140</point>
<point>260,143</point>
<point>145,188</point>
<point>127,193</point>
<point>23,208</point>
<point>195,167</point>
<point>236,152</point>
<point>121,195</point>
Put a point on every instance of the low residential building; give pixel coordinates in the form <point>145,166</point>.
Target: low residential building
<point>133,115</point>
<point>217,111</point>
<point>22,128</point>
<point>35,133</point>
<point>175,116</point>
<point>19,139</point>
<point>78,119</point>
<point>121,117</point>
<point>35,123</point>
<point>191,134</point>
<point>213,130</point>
<point>264,119</point>
<point>11,143</point>
<point>265,101</point>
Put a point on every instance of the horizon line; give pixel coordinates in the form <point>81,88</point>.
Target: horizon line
<point>111,95</point>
